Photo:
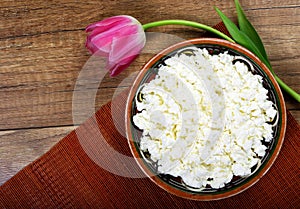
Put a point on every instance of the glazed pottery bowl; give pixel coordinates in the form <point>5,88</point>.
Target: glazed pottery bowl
<point>175,184</point>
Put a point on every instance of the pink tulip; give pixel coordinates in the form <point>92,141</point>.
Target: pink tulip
<point>120,39</point>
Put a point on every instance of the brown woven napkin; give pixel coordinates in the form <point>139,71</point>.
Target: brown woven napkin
<point>66,177</point>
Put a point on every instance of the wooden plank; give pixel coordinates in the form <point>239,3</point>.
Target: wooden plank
<point>23,18</point>
<point>46,107</point>
<point>20,147</point>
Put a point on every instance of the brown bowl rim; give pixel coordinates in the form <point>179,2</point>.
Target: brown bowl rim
<point>156,179</point>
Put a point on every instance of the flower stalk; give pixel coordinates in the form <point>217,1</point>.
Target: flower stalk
<point>187,23</point>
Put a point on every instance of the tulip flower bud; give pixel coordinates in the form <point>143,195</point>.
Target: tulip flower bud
<point>120,39</point>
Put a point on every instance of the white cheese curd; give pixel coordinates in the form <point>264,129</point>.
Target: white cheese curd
<point>204,118</point>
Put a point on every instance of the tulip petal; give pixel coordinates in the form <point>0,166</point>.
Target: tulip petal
<point>108,23</point>
<point>119,67</point>
<point>103,40</point>
<point>126,46</point>
<point>104,31</point>
<point>124,50</point>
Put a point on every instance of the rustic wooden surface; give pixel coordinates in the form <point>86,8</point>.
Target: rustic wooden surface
<point>42,52</point>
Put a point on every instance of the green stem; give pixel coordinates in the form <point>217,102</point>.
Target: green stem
<point>187,23</point>
<point>287,89</point>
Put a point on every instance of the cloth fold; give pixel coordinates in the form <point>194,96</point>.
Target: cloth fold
<point>72,174</point>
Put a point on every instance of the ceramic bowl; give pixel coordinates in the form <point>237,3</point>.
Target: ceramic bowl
<point>175,185</point>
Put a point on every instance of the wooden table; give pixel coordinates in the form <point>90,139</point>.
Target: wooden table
<point>42,53</point>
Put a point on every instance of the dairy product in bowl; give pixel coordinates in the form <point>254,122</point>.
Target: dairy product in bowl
<point>204,118</point>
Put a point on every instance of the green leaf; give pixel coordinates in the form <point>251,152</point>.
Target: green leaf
<point>248,37</point>
<point>231,27</point>
<point>250,45</point>
<point>242,38</point>
<point>248,28</point>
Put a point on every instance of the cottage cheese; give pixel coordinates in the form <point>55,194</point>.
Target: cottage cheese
<point>204,118</point>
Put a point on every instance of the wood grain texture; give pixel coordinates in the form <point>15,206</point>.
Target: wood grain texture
<point>42,54</point>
